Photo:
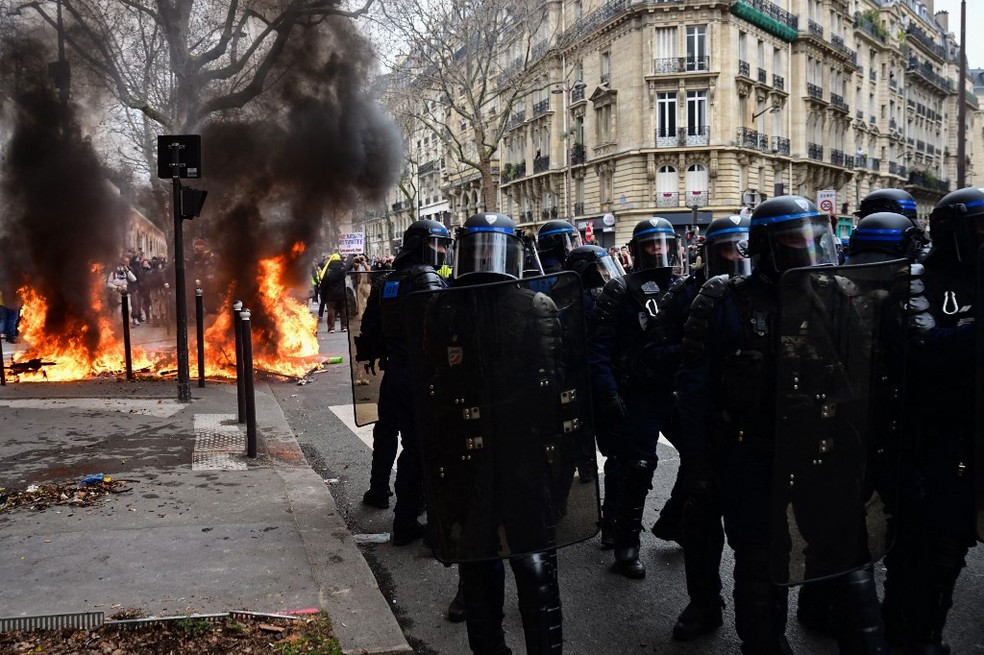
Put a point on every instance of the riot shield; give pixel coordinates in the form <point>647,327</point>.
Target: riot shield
<point>979,396</point>
<point>365,375</point>
<point>840,371</point>
<point>501,394</point>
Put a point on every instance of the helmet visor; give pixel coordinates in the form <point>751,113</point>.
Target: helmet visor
<point>609,268</point>
<point>727,254</point>
<point>435,250</point>
<point>803,242</point>
<point>561,241</point>
<point>488,251</point>
<point>656,250</point>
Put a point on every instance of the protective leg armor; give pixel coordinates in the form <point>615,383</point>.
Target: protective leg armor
<point>635,481</point>
<point>539,602</point>
<point>483,584</point>
<point>760,605</point>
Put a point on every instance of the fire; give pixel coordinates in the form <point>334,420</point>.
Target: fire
<point>84,346</point>
<point>283,333</point>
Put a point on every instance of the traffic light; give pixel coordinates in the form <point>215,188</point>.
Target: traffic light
<point>192,201</point>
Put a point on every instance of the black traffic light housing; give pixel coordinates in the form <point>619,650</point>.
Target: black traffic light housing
<point>192,201</point>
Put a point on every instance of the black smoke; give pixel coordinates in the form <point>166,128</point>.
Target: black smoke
<point>58,214</point>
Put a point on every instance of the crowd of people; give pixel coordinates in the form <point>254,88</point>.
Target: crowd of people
<point>144,280</point>
<point>784,378</point>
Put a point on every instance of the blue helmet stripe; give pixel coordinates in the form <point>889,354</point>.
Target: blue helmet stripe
<point>976,203</point>
<point>561,230</point>
<point>765,220</point>
<point>662,230</point>
<point>907,204</point>
<point>727,230</point>
<point>491,228</point>
<point>870,231</point>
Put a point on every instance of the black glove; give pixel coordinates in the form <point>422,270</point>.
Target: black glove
<point>613,407</point>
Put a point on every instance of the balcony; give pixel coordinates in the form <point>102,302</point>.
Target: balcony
<point>778,82</point>
<point>814,91</point>
<point>668,138</point>
<point>577,154</point>
<point>541,164</point>
<point>547,214</point>
<point>517,119</point>
<point>926,72</point>
<point>929,181</point>
<point>780,145</point>
<point>667,199</point>
<point>427,167</point>
<point>579,209</point>
<point>540,108</point>
<point>892,125</point>
<point>747,138</point>
<point>768,16</point>
<point>762,76</point>
<point>577,94</point>
<point>666,65</point>
<point>696,198</point>
<point>862,161</point>
<point>837,102</point>
<point>744,69</point>
<point>860,115</point>
<point>849,162</point>
<point>868,25</point>
<point>815,151</point>
<point>893,168</point>
<point>837,157</point>
<point>876,165</point>
<point>926,40</point>
<point>511,172</point>
<point>527,216</point>
<point>815,28</point>
<point>697,135</point>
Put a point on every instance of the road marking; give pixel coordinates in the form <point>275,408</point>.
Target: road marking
<point>220,443</point>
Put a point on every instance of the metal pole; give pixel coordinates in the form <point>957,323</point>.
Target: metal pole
<point>200,331</point>
<point>248,377</point>
<point>125,308</point>
<point>962,101</point>
<point>3,376</point>
<point>240,384</point>
<point>184,377</point>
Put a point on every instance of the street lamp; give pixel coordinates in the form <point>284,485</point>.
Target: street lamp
<point>567,90</point>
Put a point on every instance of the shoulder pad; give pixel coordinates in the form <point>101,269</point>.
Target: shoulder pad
<point>848,287</point>
<point>610,299</point>
<point>543,305</point>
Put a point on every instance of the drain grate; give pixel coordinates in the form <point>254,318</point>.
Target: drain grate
<point>76,621</point>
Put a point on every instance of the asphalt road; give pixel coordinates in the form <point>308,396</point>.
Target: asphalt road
<point>604,614</point>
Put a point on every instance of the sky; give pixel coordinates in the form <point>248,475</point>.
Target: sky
<point>975,17</point>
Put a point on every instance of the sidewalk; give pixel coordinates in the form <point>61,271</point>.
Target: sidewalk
<point>202,530</point>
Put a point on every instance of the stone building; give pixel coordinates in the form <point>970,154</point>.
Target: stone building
<point>689,109</point>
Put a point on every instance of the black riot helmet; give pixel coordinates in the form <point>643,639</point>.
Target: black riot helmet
<point>425,242</point>
<point>888,200</point>
<point>726,247</point>
<point>884,235</point>
<point>790,232</point>
<point>488,245</point>
<point>594,264</point>
<point>957,225</point>
<point>555,239</point>
<point>653,245</point>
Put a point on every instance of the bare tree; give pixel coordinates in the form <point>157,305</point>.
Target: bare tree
<point>466,65</point>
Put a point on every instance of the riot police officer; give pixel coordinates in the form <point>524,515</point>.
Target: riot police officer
<point>383,337</point>
<point>727,400</point>
<point>554,241</point>
<point>633,401</point>
<point>491,383</point>
<point>692,515</point>
<point>894,201</point>
<point>596,267</point>
<point>936,523</point>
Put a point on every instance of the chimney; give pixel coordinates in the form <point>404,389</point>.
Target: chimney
<point>943,20</point>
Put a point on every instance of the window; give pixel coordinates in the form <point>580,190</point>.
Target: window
<point>603,127</point>
<point>606,67</point>
<point>664,43</point>
<point>697,48</point>
<point>696,113</point>
<point>696,184</point>
<point>666,115</point>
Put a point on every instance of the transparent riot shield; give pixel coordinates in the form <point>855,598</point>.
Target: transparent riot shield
<point>501,394</point>
<point>840,360</point>
<point>366,373</point>
<point>979,397</point>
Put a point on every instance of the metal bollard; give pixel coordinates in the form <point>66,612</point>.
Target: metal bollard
<point>248,377</point>
<point>200,331</point>
<point>240,388</point>
<point>125,305</point>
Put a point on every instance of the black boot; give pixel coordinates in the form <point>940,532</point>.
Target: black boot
<point>539,602</point>
<point>857,617</point>
<point>926,612</point>
<point>635,481</point>
<point>378,498</point>
<point>456,610</point>
<point>667,526</point>
<point>815,606</point>
<point>609,503</point>
<point>760,605</point>
<point>699,619</point>
<point>482,587</point>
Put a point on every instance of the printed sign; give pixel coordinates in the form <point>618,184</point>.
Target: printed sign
<point>351,243</point>
<point>827,200</point>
